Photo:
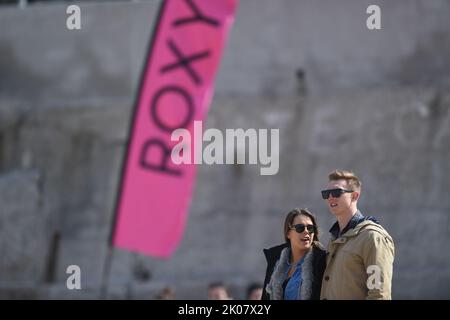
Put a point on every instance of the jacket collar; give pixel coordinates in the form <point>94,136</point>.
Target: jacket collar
<point>354,221</point>
<point>357,229</point>
<point>274,252</point>
<point>275,286</point>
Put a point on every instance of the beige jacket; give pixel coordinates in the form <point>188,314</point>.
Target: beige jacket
<point>359,264</point>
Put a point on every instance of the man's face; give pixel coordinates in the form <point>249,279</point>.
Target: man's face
<point>218,293</point>
<point>256,294</point>
<point>343,203</point>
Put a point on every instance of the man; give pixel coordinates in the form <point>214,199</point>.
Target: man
<point>360,253</point>
<point>218,291</point>
<point>254,291</point>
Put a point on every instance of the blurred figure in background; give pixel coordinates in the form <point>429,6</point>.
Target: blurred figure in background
<point>166,294</point>
<point>295,268</point>
<point>254,291</point>
<point>218,291</point>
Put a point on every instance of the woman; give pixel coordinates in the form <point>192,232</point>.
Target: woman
<point>295,268</point>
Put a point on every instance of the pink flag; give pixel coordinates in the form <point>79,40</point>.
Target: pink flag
<point>176,89</point>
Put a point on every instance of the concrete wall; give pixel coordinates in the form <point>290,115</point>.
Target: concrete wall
<point>373,101</point>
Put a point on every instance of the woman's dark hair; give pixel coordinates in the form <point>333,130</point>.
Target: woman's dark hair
<point>290,219</point>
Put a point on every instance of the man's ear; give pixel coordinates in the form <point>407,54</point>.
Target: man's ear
<point>355,196</point>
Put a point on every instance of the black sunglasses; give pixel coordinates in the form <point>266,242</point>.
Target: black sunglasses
<point>301,227</point>
<point>336,193</point>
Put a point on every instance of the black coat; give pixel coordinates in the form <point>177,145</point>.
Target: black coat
<point>319,262</point>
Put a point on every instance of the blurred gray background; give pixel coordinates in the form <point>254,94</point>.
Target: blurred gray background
<point>373,101</point>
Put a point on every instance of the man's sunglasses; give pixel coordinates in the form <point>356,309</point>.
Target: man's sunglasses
<point>301,227</point>
<point>336,193</point>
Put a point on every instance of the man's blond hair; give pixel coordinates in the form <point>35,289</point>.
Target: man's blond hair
<point>353,181</point>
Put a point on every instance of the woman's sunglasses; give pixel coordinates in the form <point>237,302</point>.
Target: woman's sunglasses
<point>301,227</point>
<point>336,193</point>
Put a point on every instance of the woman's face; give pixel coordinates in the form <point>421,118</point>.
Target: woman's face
<point>301,241</point>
